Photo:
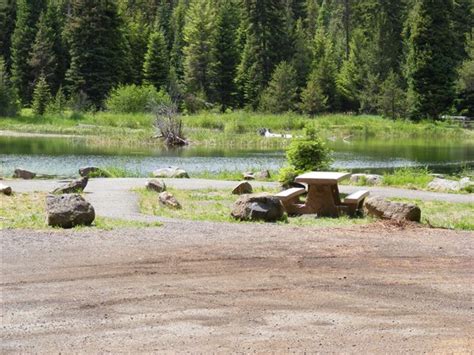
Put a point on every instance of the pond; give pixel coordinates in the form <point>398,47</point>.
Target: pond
<point>63,156</point>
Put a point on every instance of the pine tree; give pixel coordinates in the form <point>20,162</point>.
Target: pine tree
<point>28,12</point>
<point>266,44</point>
<point>227,54</point>
<point>8,98</point>
<point>310,21</point>
<point>392,100</point>
<point>320,93</point>
<point>430,63</point>
<point>302,55</point>
<point>97,48</point>
<point>7,26</point>
<point>178,20</point>
<point>41,96</point>
<point>43,60</point>
<point>200,51</point>
<point>354,70</point>
<point>281,94</point>
<point>465,84</point>
<point>463,23</point>
<point>156,66</point>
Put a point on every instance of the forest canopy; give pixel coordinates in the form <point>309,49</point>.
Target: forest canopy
<point>404,58</point>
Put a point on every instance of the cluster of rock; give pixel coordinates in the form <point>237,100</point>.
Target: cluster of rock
<point>260,175</point>
<point>367,179</point>
<point>165,198</point>
<point>440,184</point>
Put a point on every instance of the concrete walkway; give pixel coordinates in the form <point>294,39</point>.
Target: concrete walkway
<point>114,198</point>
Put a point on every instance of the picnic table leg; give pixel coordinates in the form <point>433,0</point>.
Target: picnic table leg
<point>321,200</point>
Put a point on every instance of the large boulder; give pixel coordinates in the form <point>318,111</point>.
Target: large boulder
<point>171,172</point>
<point>91,170</point>
<point>381,208</point>
<point>367,179</point>
<point>69,210</point>
<point>167,199</point>
<point>258,207</point>
<point>242,188</point>
<point>23,174</point>
<point>72,187</point>
<point>156,185</point>
<point>6,190</point>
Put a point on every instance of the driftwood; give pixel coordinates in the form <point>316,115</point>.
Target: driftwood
<point>169,125</point>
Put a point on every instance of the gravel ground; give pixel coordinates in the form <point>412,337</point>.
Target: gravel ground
<point>207,287</point>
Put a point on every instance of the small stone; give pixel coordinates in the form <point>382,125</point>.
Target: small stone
<point>171,172</point>
<point>444,185</point>
<point>381,208</point>
<point>23,174</point>
<point>258,207</point>
<point>88,170</point>
<point>248,175</point>
<point>368,179</point>
<point>68,210</point>
<point>156,185</point>
<point>465,182</point>
<point>167,199</point>
<point>242,188</point>
<point>72,187</point>
<point>262,175</point>
<point>6,190</point>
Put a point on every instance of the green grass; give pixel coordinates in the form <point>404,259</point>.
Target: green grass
<point>444,214</point>
<point>114,172</point>
<point>28,211</point>
<point>410,178</point>
<point>215,205</point>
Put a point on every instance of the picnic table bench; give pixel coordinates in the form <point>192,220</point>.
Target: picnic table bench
<point>322,196</point>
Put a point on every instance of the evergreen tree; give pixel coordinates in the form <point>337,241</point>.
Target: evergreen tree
<point>28,12</point>
<point>266,45</point>
<point>463,23</point>
<point>431,68</point>
<point>310,21</point>
<point>41,96</point>
<point>178,20</point>
<point>156,66</point>
<point>302,55</point>
<point>281,94</point>
<point>354,70</point>
<point>8,98</point>
<point>392,100</point>
<point>7,26</point>
<point>465,84</point>
<point>200,51</point>
<point>43,60</point>
<point>97,47</point>
<point>227,54</point>
<point>320,93</point>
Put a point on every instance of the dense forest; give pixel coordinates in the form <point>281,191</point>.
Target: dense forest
<point>399,58</point>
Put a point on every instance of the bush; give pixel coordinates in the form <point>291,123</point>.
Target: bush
<point>135,99</point>
<point>305,154</point>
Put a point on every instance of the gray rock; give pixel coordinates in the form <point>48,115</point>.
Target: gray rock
<point>23,174</point>
<point>86,171</point>
<point>444,185</point>
<point>69,210</point>
<point>72,187</point>
<point>465,182</point>
<point>368,179</point>
<point>6,190</point>
<point>262,175</point>
<point>167,199</point>
<point>248,175</point>
<point>258,207</point>
<point>381,208</point>
<point>156,185</point>
<point>171,172</point>
<point>242,188</point>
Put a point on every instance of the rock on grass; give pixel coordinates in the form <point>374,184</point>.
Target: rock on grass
<point>68,210</point>
<point>259,207</point>
<point>381,208</point>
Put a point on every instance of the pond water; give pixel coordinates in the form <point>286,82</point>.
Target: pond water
<point>63,156</point>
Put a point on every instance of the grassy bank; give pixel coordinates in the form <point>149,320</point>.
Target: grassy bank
<point>215,205</point>
<point>237,128</point>
<point>28,211</point>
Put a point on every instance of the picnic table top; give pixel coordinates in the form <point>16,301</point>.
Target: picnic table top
<point>322,177</point>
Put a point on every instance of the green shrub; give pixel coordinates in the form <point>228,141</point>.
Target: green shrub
<point>41,96</point>
<point>135,99</point>
<point>287,175</point>
<point>309,153</point>
<point>408,177</point>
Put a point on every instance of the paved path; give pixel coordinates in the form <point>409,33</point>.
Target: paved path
<point>114,198</point>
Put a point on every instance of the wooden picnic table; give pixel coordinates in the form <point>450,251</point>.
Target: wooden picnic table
<point>323,193</point>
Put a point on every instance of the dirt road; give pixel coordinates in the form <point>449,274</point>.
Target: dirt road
<point>201,287</point>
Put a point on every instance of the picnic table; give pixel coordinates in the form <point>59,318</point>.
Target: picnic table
<point>322,195</point>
